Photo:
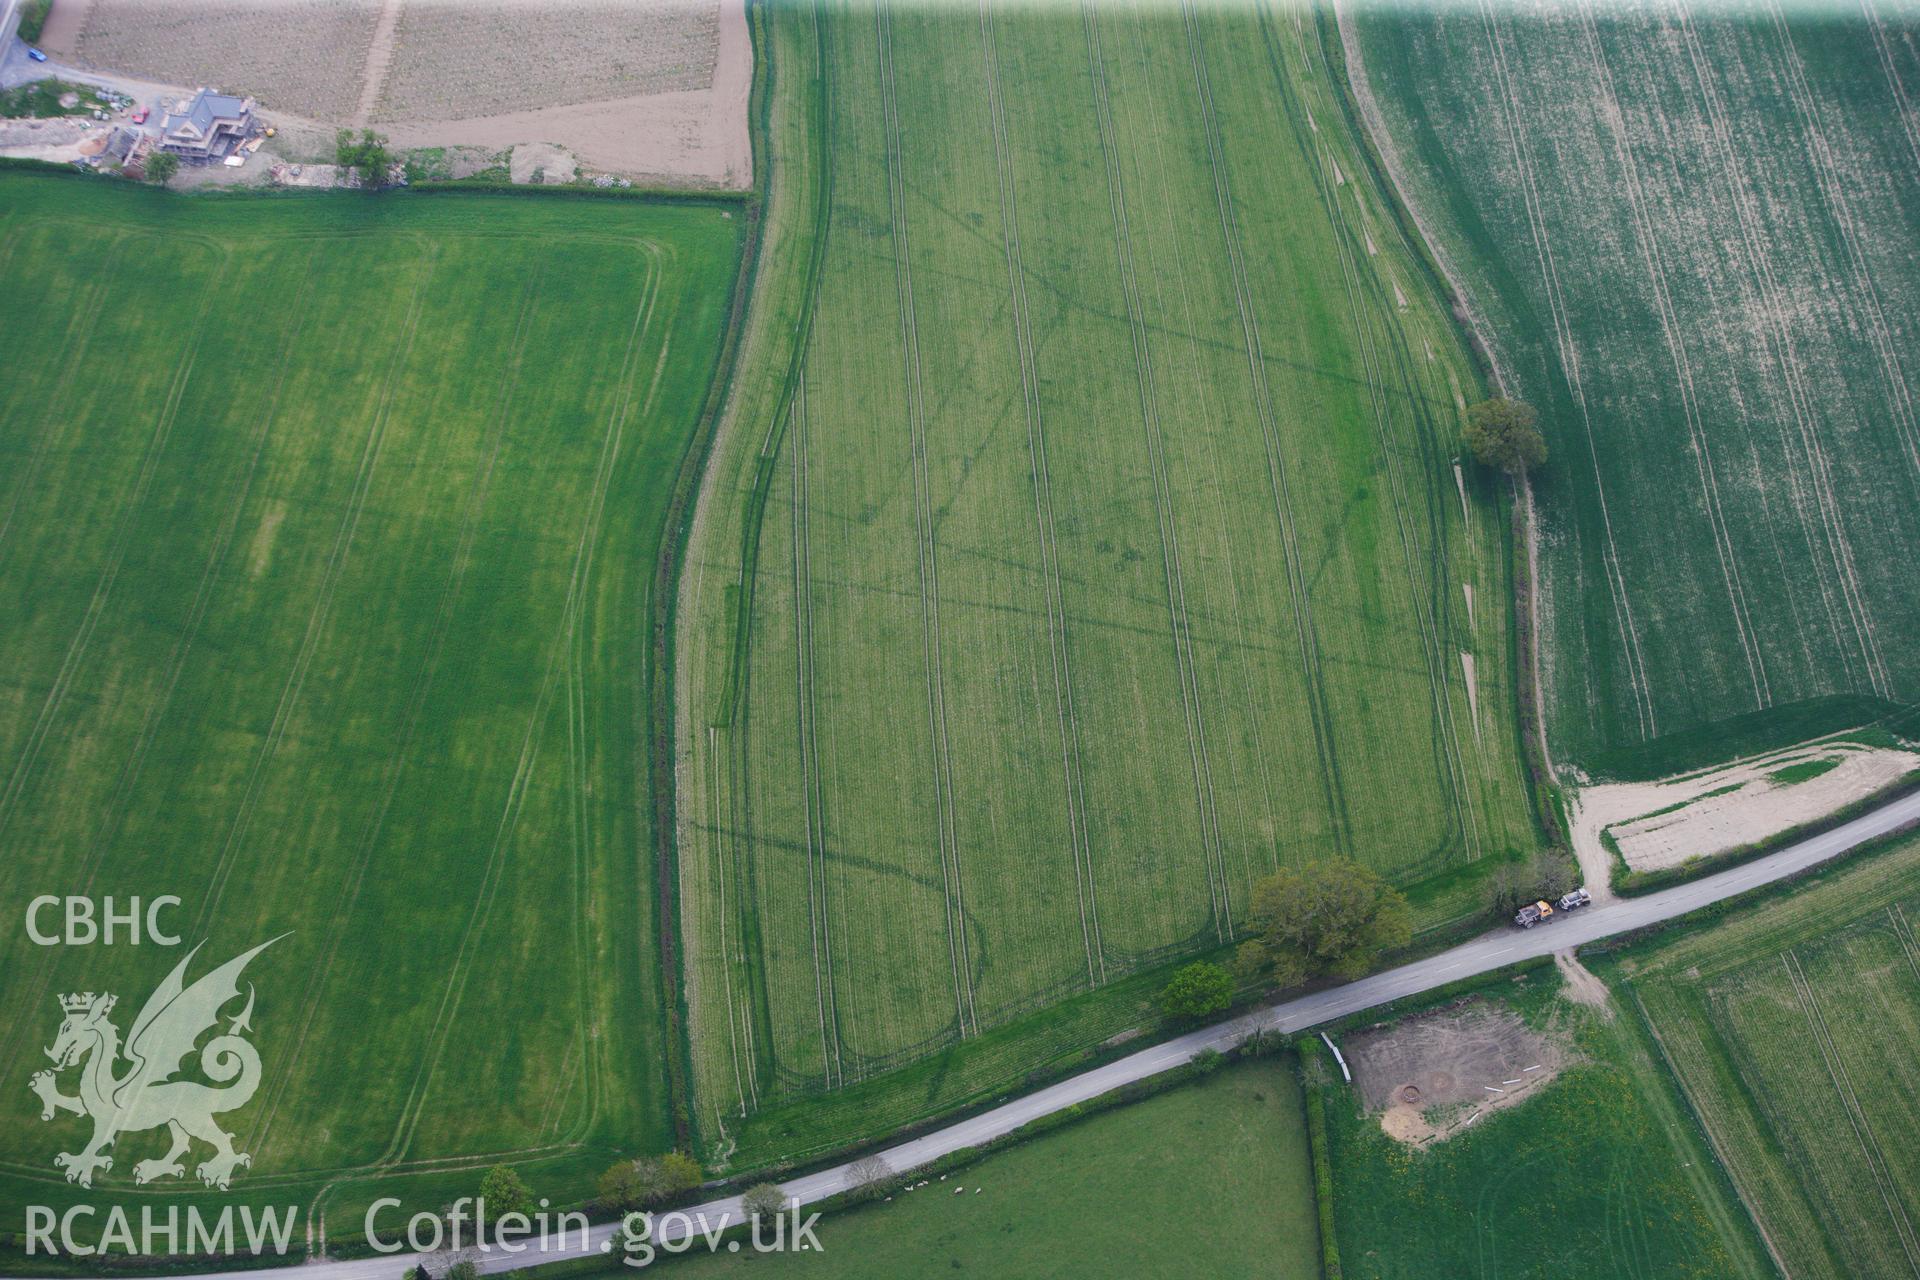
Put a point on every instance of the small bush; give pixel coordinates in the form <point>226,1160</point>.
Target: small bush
<point>1198,990</point>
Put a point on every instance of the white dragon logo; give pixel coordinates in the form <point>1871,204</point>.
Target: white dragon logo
<point>147,1096</point>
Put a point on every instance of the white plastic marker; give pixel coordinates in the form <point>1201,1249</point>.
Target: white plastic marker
<point>1344,1073</point>
<point>1490,1089</point>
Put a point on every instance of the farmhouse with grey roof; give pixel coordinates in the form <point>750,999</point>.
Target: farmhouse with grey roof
<point>208,126</point>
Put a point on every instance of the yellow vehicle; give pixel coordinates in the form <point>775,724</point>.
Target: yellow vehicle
<point>1529,916</point>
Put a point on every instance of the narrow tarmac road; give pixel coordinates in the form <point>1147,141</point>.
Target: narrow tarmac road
<point>1493,951</point>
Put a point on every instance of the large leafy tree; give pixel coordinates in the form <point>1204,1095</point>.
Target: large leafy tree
<point>1334,917</point>
<point>1506,434</point>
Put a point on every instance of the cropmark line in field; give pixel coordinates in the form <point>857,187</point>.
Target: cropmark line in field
<point>1277,479</point>
<point>1901,105</point>
<point>80,332</point>
<point>957,944</point>
<point>1372,363</point>
<point>727,731</point>
<point>1904,932</point>
<point>129,512</point>
<point>1870,1151</point>
<point>1079,845</point>
<point>1570,369</point>
<point>416,702</point>
<point>1208,419</point>
<point>570,614</point>
<point>1219,889</point>
<point>819,907</point>
<point>1792,375</point>
<point>1654,259</point>
<point>1833,187</point>
<point>323,604</point>
<point>1832,191</point>
<point>581,825</point>
<point>119,802</point>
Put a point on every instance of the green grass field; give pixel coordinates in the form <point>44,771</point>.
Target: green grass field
<point>1690,240</point>
<point>1602,1174</point>
<point>326,533</point>
<point>1084,543</point>
<point>1792,1027</point>
<point>1210,1179</point>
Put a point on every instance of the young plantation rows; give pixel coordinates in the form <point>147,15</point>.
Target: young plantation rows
<point>1690,236</point>
<point>1086,540</point>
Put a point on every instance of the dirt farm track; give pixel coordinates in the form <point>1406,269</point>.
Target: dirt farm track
<point>656,91</point>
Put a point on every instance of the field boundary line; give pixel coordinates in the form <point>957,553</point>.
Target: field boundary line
<point>723,839</point>
<point>1080,846</point>
<point>1736,1176</point>
<point>957,943</point>
<point>726,739</point>
<point>1376,369</point>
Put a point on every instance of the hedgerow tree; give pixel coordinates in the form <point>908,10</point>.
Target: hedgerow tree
<point>1333,917</point>
<point>623,1186</point>
<point>1547,874</point>
<point>504,1192</point>
<point>366,155</point>
<point>161,166</point>
<point>1506,434</point>
<point>869,1178</point>
<point>678,1172</point>
<point>1196,991</point>
<point>764,1201</point>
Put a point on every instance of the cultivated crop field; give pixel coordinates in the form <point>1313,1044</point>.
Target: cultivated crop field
<point>1792,1029</point>
<point>1597,1173</point>
<point>326,536</point>
<point>1690,237</point>
<point>1089,544</point>
<point>447,65</point>
<point>302,56</point>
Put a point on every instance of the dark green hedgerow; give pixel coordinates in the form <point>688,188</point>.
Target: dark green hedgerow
<point>1314,1074</point>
